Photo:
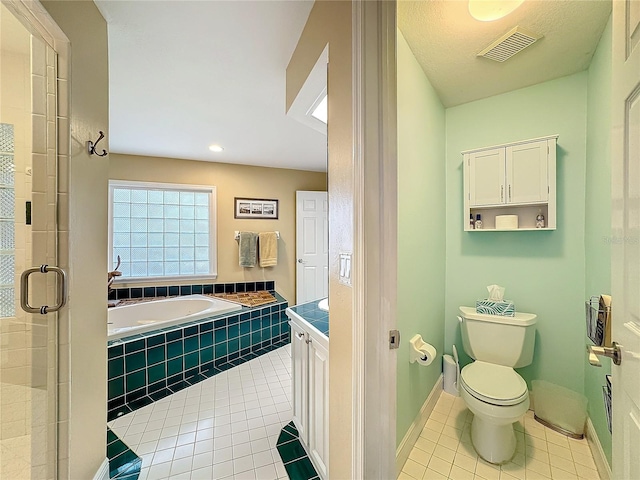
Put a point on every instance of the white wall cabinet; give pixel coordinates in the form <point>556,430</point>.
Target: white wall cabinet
<point>511,179</point>
<point>310,364</point>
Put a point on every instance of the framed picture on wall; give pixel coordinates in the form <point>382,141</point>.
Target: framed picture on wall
<point>255,208</point>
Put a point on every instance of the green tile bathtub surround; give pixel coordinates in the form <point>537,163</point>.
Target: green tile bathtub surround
<point>157,372</point>
<point>206,339</point>
<point>421,243</point>
<point>233,331</point>
<point>135,381</point>
<point>206,355</point>
<point>245,327</point>
<point>175,349</point>
<point>115,367</point>
<point>543,272</point>
<point>598,216</point>
<point>191,344</point>
<point>155,355</point>
<point>115,387</point>
<point>175,366</point>
<point>191,360</point>
<point>181,356</point>
<point>135,361</point>
<point>221,350</point>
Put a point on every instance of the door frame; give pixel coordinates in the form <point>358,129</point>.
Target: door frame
<point>35,17</point>
<point>375,238</point>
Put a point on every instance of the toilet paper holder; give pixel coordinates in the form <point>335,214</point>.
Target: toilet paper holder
<point>420,351</point>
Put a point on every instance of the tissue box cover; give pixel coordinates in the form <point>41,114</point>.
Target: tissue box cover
<point>504,308</point>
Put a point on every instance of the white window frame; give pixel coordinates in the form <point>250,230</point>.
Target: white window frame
<point>213,256</point>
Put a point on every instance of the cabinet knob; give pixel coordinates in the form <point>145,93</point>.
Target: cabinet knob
<point>299,335</point>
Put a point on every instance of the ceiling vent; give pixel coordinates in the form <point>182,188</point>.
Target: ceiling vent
<point>512,42</point>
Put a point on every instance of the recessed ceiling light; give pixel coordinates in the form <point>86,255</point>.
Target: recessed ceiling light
<point>215,148</point>
<point>489,10</point>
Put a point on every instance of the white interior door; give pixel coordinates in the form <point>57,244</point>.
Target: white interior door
<point>625,302</point>
<point>312,246</point>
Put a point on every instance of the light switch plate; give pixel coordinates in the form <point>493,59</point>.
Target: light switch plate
<point>345,268</point>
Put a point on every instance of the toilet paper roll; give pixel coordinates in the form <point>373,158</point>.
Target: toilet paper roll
<point>428,353</point>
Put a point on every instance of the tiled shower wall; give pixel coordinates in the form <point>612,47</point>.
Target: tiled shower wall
<point>147,367</point>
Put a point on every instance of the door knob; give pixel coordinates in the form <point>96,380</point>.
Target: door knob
<point>301,261</point>
<point>612,352</point>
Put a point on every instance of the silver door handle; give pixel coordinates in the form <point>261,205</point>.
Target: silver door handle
<point>24,290</point>
<point>612,352</point>
<point>301,261</point>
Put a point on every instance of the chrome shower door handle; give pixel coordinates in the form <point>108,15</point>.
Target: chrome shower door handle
<point>24,290</point>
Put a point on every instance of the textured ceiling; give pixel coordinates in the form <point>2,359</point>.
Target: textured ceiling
<point>445,40</point>
<point>188,74</point>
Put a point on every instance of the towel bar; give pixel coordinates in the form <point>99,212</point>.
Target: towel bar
<point>237,235</point>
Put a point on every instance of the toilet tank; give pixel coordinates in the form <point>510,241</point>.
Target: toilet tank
<point>496,339</point>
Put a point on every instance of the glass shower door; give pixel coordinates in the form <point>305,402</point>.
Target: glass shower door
<point>28,341</point>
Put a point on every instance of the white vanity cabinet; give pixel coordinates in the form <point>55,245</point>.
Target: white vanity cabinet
<point>511,179</point>
<point>310,378</point>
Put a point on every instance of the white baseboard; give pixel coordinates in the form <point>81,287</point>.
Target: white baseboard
<point>597,452</point>
<point>405,446</point>
<point>103,471</point>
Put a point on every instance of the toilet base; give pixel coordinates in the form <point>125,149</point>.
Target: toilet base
<point>494,443</point>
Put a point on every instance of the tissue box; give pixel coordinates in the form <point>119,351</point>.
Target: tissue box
<point>504,308</point>
<point>507,222</point>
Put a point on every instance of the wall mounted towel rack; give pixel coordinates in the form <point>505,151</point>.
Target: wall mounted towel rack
<point>237,235</point>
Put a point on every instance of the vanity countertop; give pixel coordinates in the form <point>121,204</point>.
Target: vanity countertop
<point>310,313</point>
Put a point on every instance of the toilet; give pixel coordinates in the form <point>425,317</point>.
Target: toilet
<point>491,388</point>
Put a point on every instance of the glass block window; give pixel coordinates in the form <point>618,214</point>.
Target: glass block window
<point>162,230</point>
<point>7,219</point>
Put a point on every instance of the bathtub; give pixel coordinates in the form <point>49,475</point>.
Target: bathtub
<point>148,316</point>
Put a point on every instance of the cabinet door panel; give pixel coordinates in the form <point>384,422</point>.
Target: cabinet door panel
<point>299,367</point>
<point>486,177</point>
<point>527,173</point>
<point>319,406</point>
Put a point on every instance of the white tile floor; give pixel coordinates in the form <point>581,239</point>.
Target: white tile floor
<point>225,427</point>
<point>444,451</point>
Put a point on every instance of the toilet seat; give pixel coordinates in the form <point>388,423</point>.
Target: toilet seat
<point>494,384</point>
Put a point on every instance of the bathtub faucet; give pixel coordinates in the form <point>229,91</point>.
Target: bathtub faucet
<point>112,275</point>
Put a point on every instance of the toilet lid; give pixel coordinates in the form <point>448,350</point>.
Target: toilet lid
<point>494,384</point>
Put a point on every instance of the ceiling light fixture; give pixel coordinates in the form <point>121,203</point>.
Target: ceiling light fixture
<point>490,10</point>
<point>216,148</point>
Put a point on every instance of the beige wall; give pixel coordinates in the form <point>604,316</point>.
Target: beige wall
<point>82,215</point>
<point>330,23</point>
<point>235,181</point>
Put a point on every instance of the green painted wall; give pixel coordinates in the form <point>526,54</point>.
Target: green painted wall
<point>543,272</point>
<point>421,235</point>
<point>598,215</point>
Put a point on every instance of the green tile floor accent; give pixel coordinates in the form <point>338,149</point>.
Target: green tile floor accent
<point>294,456</point>
<point>124,464</point>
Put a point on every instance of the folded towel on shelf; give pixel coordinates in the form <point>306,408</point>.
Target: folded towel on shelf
<point>268,249</point>
<point>248,249</point>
